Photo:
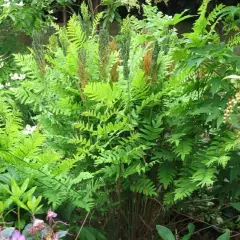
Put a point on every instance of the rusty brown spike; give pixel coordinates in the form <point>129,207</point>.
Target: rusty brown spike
<point>114,70</point>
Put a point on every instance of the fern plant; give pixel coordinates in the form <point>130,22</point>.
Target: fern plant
<point>133,121</point>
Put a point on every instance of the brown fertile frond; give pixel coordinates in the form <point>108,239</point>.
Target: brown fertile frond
<point>147,62</point>
<point>114,70</point>
<point>83,74</point>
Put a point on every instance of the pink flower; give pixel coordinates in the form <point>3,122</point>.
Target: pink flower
<point>32,231</point>
<point>38,224</point>
<point>17,236</point>
<point>51,215</point>
<point>55,236</point>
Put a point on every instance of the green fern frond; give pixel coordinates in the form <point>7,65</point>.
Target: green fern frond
<point>204,177</point>
<point>234,40</point>
<point>82,176</point>
<point>214,14</point>
<point>183,149</point>
<point>169,198</point>
<point>29,146</point>
<point>221,160</point>
<point>75,33</point>
<point>166,174</point>
<point>102,92</point>
<point>84,126</point>
<point>201,23</point>
<point>144,186</point>
<point>96,22</point>
<point>184,189</point>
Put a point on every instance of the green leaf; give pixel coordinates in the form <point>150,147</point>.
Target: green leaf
<point>165,233</point>
<point>219,121</point>
<point>24,186</point>
<point>33,204</point>
<point>225,236</point>
<point>15,189</point>
<point>19,203</point>
<point>38,208</point>
<point>89,233</point>
<point>7,203</point>
<point>86,234</point>
<point>29,194</point>
<point>22,223</point>
<point>215,85</point>
<point>236,206</point>
<point>6,188</point>
<point>1,208</point>
<point>191,229</point>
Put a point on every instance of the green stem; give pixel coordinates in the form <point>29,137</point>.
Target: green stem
<point>18,215</point>
<point>3,220</point>
<point>36,235</point>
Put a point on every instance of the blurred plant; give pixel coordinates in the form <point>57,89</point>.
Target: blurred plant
<point>166,233</point>
<point>23,198</point>
<point>24,16</point>
<point>38,229</point>
<point>111,12</point>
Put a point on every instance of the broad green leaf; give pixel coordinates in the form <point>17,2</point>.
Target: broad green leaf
<point>86,234</point>
<point>22,223</point>
<point>165,233</point>
<point>191,229</point>
<point>236,206</point>
<point>234,173</point>
<point>219,121</point>
<point>89,233</point>
<point>225,236</point>
<point>215,85</point>
<point>7,203</point>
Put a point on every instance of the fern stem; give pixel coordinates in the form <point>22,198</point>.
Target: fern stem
<point>64,16</point>
<point>84,221</point>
